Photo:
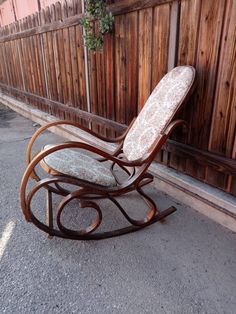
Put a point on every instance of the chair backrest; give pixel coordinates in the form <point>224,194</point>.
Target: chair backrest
<point>158,111</point>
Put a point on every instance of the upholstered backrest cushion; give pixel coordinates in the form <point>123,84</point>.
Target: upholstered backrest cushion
<point>158,111</point>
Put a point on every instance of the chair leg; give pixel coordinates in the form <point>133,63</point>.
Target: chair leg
<point>49,212</point>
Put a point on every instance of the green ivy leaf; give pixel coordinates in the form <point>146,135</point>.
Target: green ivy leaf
<point>96,11</point>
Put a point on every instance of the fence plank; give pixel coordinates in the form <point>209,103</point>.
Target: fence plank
<point>161,30</point>
<point>69,82</point>
<point>187,49</point>
<point>131,31</point>
<point>120,66</point>
<point>81,68</point>
<point>145,55</point>
<point>160,47</point>
<point>109,66</point>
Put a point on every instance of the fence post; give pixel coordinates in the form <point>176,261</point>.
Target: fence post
<point>86,66</point>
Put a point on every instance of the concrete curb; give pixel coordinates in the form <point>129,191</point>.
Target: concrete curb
<point>212,202</point>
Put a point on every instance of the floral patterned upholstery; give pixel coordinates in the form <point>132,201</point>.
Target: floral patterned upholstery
<point>79,165</point>
<point>158,111</point>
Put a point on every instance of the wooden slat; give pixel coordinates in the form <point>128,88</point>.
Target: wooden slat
<point>81,68</point>
<point>52,74</point>
<point>19,57</point>
<point>120,66</point>
<point>55,46</point>
<point>187,49</point>
<point>32,52</point>
<point>61,78</point>
<point>101,89</point>
<point>4,65</point>
<point>1,67</point>
<point>92,78</point>
<point>42,76</point>
<point>131,68</point>
<point>76,45</point>
<point>32,79</point>
<point>12,57</point>
<point>45,54</point>
<point>109,68</point>
<point>24,59</point>
<point>145,55</point>
<point>232,179</point>
<point>161,29</point>
<point>74,63</point>
<point>160,47</point>
<point>8,59</point>
<point>66,41</point>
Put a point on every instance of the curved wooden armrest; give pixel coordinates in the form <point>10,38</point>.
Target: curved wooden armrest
<point>118,139</point>
<point>173,125</point>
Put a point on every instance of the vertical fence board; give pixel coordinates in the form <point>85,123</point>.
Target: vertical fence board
<point>187,48</point>
<point>53,80</point>
<point>74,64</point>
<point>55,46</point>
<point>92,71</point>
<point>145,55</point>
<point>101,89</point>
<point>45,54</point>
<point>160,47</point>
<point>61,75</point>
<point>81,68</point>
<point>69,82</point>
<point>109,65</point>
<point>31,58</point>
<point>131,31</point>
<point>160,33</point>
<point>120,66</point>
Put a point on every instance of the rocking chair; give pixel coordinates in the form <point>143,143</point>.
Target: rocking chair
<point>91,179</point>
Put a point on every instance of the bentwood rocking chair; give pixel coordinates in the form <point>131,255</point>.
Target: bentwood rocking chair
<point>91,179</point>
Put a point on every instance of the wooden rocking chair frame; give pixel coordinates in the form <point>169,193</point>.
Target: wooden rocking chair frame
<point>88,192</point>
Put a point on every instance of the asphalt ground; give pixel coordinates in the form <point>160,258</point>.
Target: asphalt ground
<point>185,265</point>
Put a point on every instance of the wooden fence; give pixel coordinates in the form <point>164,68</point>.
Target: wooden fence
<point>43,62</point>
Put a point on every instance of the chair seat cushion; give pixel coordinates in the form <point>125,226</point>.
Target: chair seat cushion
<point>79,165</point>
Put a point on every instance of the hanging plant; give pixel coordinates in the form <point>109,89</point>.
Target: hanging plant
<point>96,10</point>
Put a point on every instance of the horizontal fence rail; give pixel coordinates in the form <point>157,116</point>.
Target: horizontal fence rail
<point>44,63</point>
